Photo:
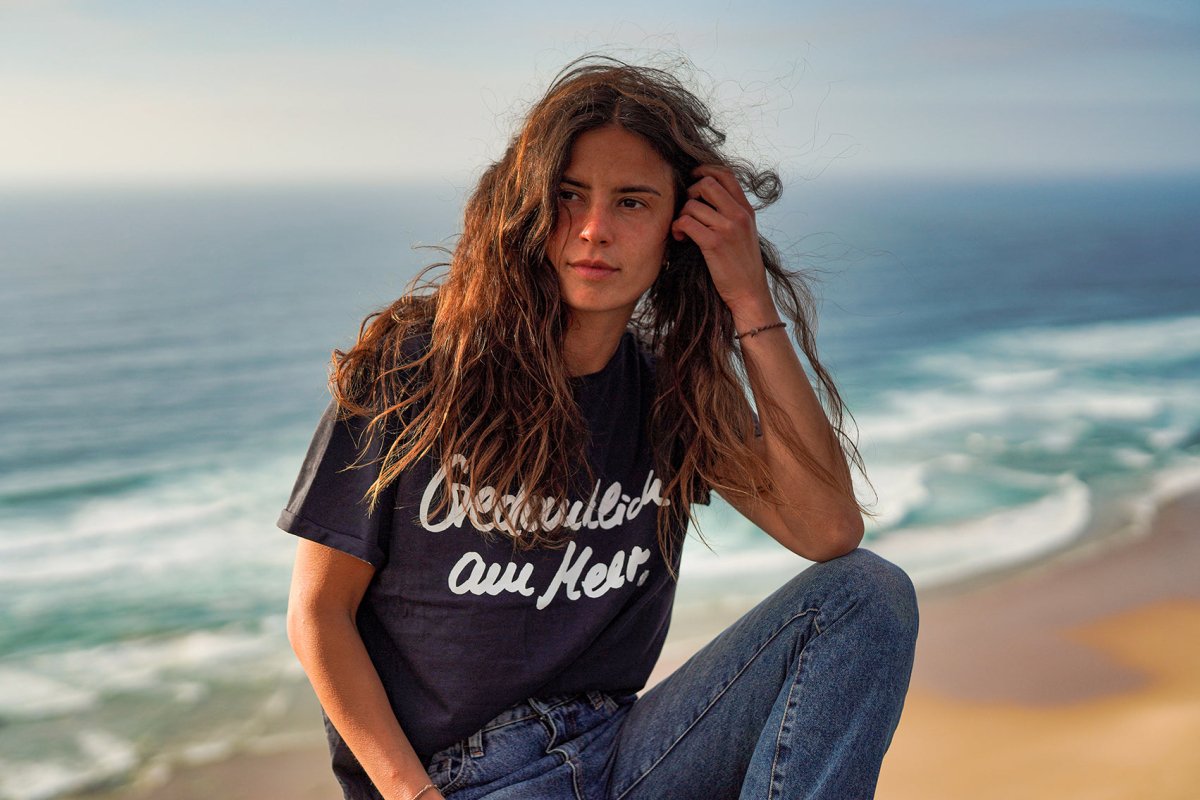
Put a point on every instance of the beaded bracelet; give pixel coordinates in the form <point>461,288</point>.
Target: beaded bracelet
<point>756,331</point>
<point>423,790</point>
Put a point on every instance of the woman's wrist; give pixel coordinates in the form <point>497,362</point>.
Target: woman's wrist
<point>406,783</point>
<point>754,313</point>
<point>421,789</point>
<point>428,790</point>
<point>752,332</point>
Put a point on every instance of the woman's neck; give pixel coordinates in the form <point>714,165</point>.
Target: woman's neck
<point>590,342</point>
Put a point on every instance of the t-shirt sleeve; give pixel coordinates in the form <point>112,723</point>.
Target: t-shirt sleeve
<point>328,504</point>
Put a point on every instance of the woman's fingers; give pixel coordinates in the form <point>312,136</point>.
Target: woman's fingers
<point>712,203</point>
<point>727,181</point>
<point>704,213</point>
<point>686,226</point>
<point>715,212</point>
<point>720,220</point>
<point>709,190</point>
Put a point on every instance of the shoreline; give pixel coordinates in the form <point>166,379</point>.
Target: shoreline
<point>978,720</point>
<point>1112,703</point>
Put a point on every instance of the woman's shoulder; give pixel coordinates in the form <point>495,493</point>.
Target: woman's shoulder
<point>388,361</point>
<point>413,343</point>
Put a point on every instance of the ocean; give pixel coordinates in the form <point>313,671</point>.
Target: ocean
<point>1022,360</point>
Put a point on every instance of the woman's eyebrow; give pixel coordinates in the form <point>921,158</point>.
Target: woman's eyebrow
<point>632,189</point>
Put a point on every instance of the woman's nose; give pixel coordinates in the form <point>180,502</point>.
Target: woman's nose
<point>596,227</point>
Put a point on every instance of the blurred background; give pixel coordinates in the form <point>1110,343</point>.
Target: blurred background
<point>198,201</point>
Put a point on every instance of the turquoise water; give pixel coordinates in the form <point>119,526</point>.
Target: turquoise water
<point>1022,360</point>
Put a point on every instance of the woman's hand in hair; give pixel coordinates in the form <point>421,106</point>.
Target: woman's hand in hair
<point>720,220</point>
<point>798,444</point>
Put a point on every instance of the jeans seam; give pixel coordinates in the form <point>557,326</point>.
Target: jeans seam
<point>574,778</point>
<point>508,722</point>
<point>564,755</point>
<point>786,710</point>
<point>718,696</point>
<point>456,776</point>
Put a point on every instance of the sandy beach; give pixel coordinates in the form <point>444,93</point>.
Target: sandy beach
<point>1077,677</point>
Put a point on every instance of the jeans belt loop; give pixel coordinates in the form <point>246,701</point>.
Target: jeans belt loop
<point>475,744</point>
<point>596,698</point>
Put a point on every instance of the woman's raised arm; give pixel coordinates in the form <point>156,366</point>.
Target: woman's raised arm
<point>720,220</point>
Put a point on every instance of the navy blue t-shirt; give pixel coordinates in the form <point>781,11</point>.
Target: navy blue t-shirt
<point>461,627</point>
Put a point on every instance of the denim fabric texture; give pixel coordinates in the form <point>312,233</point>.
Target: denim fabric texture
<point>797,699</point>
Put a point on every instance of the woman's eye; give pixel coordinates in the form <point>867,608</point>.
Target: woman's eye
<point>630,202</point>
<point>566,194</point>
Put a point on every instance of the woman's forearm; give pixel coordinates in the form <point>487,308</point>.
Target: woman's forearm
<point>331,651</point>
<point>831,522</point>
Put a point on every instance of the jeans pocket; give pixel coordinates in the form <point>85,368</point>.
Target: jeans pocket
<point>445,768</point>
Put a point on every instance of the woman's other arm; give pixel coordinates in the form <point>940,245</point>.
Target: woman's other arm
<point>826,523</point>
<point>327,586</point>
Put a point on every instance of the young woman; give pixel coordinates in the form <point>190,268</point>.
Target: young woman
<point>493,505</point>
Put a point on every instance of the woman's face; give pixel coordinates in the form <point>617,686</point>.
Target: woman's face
<point>615,207</point>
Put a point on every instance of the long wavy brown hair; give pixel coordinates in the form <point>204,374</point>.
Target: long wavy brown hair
<point>472,363</point>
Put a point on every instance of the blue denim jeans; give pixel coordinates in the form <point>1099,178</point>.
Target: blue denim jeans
<point>797,699</point>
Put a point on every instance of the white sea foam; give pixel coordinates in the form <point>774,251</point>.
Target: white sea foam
<point>165,662</point>
<point>985,444</point>
<point>920,412</point>
<point>1043,383</point>
<point>26,694</point>
<point>107,754</point>
<point>1130,405</point>
<point>38,780</point>
<point>899,489</point>
<point>1168,438</point>
<point>1140,342</point>
<point>165,530</point>
<point>1132,459</point>
<point>206,752</point>
<point>1065,411</point>
<point>1031,357</point>
<point>765,557</point>
<point>1062,437</point>
<point>938,554</point>
<point>179,668</point>
<point>914,414</point>
<point>1180,478</point>
<point>1022,381</point>
<point>935,554</point>
<point>100,756</point>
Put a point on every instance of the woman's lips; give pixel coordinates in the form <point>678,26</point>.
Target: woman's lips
<point>593,269</point>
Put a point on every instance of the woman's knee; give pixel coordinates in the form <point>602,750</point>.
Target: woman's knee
<point>880,587</point>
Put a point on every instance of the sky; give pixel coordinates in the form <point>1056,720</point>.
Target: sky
<point>150,91</point>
